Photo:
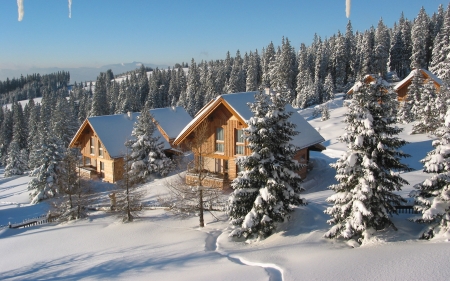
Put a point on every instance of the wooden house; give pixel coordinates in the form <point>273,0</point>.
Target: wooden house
<point>402,87</point>
<point>368,79</point>
<point>225,117</point>
<point>101,140</point>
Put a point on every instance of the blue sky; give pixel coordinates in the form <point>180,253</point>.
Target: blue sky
<point>104,32</point>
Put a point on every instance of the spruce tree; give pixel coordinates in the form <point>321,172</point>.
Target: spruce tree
<point>368,176</point>
<point>266,190</point>
<point>46,170</point>
<point>420,37</point>
<point>381,49</point>
<point>146,156</point>
<point>414,94</point>
<point>16,162</point>
<point>432,196</point>
<point>99,100</point>
<point>427,112</point>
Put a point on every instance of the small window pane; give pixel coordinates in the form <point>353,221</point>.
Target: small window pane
<point>240,136</point>
<point>219,134</point>
<point>239,149</point>
<point>220,147</point>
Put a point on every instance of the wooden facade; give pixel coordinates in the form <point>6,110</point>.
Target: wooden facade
<point>402,87</point>
<point>219,155</point>
<point>96,163</point>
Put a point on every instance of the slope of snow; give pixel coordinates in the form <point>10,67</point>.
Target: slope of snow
<point>161,246</point>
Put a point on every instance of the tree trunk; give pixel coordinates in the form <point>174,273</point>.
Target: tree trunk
<point>202,222</point>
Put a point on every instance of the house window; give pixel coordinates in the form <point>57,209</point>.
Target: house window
<point>92,146</point>
<point>240,142</point>
<point>102,169</point>
<point>87,161</point>
<point>221,166</point>
<point>239,168</point>
<point>100,149</point>
<point>220,144</point>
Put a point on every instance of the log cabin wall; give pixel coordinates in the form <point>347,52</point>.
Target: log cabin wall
<point>222,118</point>
<point>302,156</point>
<point>104,165</point>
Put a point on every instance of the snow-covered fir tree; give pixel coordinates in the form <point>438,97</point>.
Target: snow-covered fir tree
<point>432,196</point>
<point>420,40</point>
<point>381,49</point>
<point>146,156</point>
<point>49,155</point>
<point>404,113</point>
<point>266,190</point>
<point>368,176</point>
<point>325,111</point>
<point>99,99</point>
<point>16,162</point>
<point>427,112</point>
<point>415,94</point>
<point>328,88</point>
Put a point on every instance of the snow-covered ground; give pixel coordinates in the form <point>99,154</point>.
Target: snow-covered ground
<point>162,246</point>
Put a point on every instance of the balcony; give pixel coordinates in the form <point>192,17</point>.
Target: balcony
<point>210,179</point>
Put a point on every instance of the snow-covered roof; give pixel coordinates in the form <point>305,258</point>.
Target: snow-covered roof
<point>307,136</point>
<point>171,119</point>
<point>411,75</point>
<point>114,130</point>
<point>368,79</point>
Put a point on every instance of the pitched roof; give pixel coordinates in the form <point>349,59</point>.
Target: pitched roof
<point>171,119</point>
<point>368,79</point>
<point>114,130</point>
<point>238,102</point>
<point>425,73</point>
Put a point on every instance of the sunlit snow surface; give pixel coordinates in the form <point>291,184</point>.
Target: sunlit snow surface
<point>160,246</point>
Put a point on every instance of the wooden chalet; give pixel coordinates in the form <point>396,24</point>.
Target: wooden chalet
<point>369,78</point>
<point>226,117</point>
<point>402,87</point>
<point>101,140</point>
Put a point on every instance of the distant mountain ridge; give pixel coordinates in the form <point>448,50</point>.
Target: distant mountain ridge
<point>78,74</point>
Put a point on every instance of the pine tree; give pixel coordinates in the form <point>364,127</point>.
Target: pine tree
<point>283,70</point>
<point>340,61</point>
<point>19,126</point>
<point>16,162</point>
<point>75,190</point>
<point>46,173</point>
<point>129,199</point>
<point>99,100</point>
<point>324,110</point>
<point>236,82</point>
<point>367,60</point>
<point>382,43</point>
<point>414,94</point>
<point>328,88</point>
<point>6,134</point>
<point>420,40</point>
<point>427,112</point>
<point>433,194</point>
<point>265,192</point>
<point>146,151</point>
<point>368,172</point>
<point>440,63</point>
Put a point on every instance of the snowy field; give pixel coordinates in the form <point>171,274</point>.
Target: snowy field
<point>160,246</point>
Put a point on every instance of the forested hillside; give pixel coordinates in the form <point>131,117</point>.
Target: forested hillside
<point>308,76</point>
